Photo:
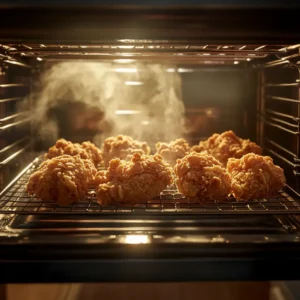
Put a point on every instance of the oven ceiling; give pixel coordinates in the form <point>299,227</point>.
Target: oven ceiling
<point>208,24</point>
<point>237,3</point>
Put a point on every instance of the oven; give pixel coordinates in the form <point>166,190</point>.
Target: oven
<point>234,67</point>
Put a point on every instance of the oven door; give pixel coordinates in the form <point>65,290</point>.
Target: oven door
<point>148,247</point>
<point>160,241</point>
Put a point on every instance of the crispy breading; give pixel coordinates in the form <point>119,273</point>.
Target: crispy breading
<point>173,150</point>
<point>123,147</point>
<point>138,180</point>
<point>254,176</point>
<point>86,150</point>
<point>64,179</point>
<point>227,145</point>
<point>201,177</point>
<point>94,153</point>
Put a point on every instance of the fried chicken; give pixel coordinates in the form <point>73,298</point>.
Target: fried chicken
<point>201,178</point>
<point>64,179</point>
<point>86,150</point>
<point>123,147</point>
<point>138,180</point>
<point>94,153</point>
<point>173,150</point>
<point>254,176</point>
<point>227,145</point>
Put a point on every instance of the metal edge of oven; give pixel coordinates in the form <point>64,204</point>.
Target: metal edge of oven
<point>35,249</point>
<point>65,249</point>
<point>208,23</point>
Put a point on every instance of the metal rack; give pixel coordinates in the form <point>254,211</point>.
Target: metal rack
<point>278,110</point>
<point>180,51</point>
<point>15,117</point>
<point>16,200</point>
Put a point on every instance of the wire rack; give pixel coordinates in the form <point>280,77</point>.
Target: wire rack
<point>180,51</point>
<point>16,200</point>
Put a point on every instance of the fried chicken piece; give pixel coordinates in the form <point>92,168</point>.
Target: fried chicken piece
<point>94,153</point>
<point>173,150</point>
<point>86,150</point>
<point>201,178</point>
<point>138,180</point>
<point>123,147</point>
<point>254,176</point>
<point>227,145</point>
<point>64,179</point>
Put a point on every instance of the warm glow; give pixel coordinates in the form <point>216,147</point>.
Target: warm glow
<point>124,61</point>
<point>170,70</point>
<point>126,47</point>
<point>126,70</point>
<point>127,112</point>
<point>136,239</point>
<point>134,83</point>
<point>184,70</point>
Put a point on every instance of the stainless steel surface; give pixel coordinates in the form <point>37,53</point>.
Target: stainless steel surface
<point>181,51</point>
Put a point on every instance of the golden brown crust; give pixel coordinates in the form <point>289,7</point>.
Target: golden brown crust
<point>64,179</point>
<point>227,145</point>
<point>123,147</point>
<point>254,176</point>
<point>138,180</point>
<point>94,153</point>
<point>201,177</point>
<point>86,150</point>
<point>173,150</point>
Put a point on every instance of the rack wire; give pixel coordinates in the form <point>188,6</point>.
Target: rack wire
<point>179,51</point>
<point>16,201</point>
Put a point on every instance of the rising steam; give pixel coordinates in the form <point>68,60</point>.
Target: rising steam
<point>153,94</point>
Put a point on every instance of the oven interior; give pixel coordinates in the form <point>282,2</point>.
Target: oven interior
<point>252,89</point>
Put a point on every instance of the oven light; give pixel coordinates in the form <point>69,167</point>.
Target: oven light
<point>209,112</point>
<point>134,83</point>
<point>126,47</point>
<point>248,59</point>
<point>145,123</point>
<point>137,239</point>
<point>127,112</point>
<point>183,70</point>
<point>170,70</point>
<point>39,59</point>
<point>124,61</point>
<point>126,70</point>
<point>236,62</point>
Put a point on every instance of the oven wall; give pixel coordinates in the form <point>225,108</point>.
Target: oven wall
<point>15,116</point>
<point>218,99</point>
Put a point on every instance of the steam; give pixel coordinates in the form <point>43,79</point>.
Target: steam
<point>148,91</point>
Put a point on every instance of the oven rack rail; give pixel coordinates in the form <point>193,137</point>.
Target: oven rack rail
<point>186,52</point>
<point>14,200</point>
